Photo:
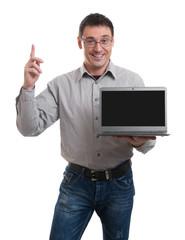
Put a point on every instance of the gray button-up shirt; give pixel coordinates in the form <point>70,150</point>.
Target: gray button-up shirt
<point>74,99</point>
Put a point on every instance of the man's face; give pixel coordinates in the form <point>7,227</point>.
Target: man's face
<point>96,59</point>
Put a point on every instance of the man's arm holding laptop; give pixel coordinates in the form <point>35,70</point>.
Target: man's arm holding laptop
<point>142,144</point>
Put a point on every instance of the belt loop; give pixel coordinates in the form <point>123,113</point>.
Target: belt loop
<point>83,172</point>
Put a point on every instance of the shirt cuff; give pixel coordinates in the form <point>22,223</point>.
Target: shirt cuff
<point>27,95</point>
<point>147,146</point>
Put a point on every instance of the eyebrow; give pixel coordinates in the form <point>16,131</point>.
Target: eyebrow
<point>101,36</point>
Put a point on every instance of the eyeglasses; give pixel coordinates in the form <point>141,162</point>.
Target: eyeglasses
<point>90,43</point>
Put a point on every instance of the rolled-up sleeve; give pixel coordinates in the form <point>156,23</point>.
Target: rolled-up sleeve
<point>147,146</point>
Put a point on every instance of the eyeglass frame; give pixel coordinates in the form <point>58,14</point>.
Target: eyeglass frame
<point>96,42</point>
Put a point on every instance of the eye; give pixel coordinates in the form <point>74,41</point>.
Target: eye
<point>90,41</point>
<point>105,41</point>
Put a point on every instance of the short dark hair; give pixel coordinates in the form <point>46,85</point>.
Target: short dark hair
<point>95,19</point>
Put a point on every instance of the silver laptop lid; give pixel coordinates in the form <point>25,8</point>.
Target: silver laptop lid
<point>133,109</point>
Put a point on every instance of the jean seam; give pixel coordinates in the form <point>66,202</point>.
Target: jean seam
<point>109,235</point>
<point>84,226</point>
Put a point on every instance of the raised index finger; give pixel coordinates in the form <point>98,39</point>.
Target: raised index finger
<point>32,54</point>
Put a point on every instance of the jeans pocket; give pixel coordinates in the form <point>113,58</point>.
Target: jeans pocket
<point>125,182</point>
<point>70,176</point>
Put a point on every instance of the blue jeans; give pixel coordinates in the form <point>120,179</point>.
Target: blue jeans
<point>79,197</point>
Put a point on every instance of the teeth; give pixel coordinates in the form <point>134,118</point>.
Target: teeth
<point>98,56</point>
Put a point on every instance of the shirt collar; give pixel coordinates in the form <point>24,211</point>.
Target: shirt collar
<point>110,69</point>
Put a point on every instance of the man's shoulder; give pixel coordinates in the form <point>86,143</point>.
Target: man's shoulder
<point>128,77</point>
<point>66,77</point>
<point>122,70</point>
<point>69,75</point>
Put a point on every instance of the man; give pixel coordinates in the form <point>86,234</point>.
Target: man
<point>99,175</point>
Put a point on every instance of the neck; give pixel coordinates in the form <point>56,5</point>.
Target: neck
<point>96,71</point>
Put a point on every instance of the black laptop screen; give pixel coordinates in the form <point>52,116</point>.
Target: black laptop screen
<point>133,108</point>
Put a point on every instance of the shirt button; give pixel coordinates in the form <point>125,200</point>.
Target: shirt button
<point>98,154</point>
<point>96,118</point>
<point>96,99</point>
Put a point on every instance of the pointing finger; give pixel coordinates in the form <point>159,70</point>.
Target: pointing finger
<point>32,54</point>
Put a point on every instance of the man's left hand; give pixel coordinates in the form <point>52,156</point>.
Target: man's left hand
<point>136,141</point>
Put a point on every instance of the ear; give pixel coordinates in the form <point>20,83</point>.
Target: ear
<point>79,42</point>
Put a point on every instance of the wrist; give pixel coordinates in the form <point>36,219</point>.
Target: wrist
<point>28,88</point>
<point>136,146</point>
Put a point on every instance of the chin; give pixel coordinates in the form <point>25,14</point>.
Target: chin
<point>99,64</point>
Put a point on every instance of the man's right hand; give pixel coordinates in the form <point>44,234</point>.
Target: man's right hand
<point>32,70</point>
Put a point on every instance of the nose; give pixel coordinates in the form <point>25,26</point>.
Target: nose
<point>98,47</point>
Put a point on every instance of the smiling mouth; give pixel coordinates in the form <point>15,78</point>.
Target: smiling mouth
<point>97,55</point>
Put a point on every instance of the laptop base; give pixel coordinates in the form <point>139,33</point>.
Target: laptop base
<point>148,134</point>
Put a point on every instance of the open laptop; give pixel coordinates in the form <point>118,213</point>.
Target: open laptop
<point>133,111</point>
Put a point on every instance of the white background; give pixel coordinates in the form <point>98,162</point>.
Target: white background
<point>149,39</point>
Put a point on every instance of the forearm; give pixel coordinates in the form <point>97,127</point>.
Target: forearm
<point>27,113</point>
<point>142,144</point>
<point>34,115</point>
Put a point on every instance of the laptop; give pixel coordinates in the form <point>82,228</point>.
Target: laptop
<point>133,111</point>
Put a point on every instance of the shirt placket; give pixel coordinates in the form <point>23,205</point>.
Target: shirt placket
<point>97,147</point>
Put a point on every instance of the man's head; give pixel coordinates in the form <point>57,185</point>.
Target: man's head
<point>96,36</point>
<point>95,19</point>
